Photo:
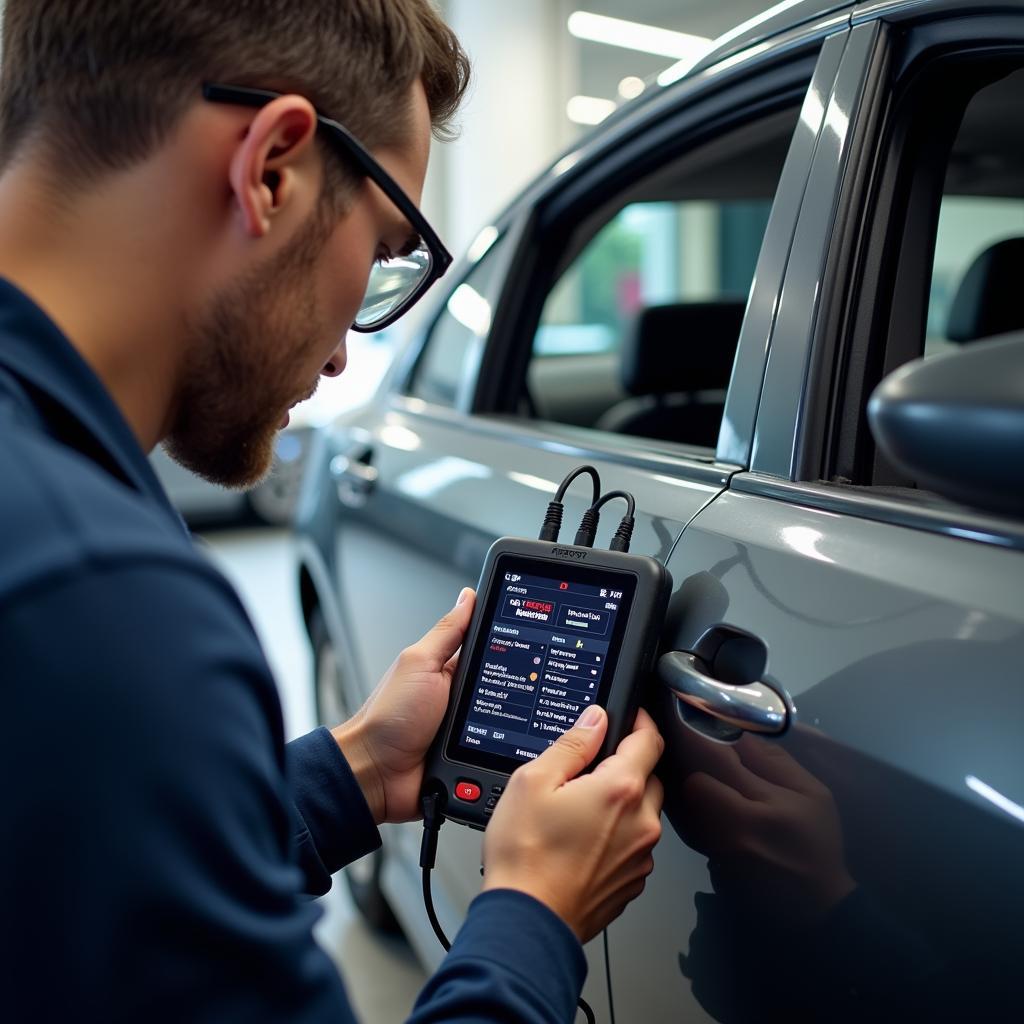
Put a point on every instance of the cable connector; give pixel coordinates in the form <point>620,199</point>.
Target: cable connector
<point>552,521</point>
<point>588,528</point>
<point>433,819</point>
<point>553,517</point>
<point>623,535</point>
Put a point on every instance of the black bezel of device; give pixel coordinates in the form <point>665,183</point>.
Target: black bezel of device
<point>634,644</point>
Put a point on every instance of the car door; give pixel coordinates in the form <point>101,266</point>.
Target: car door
<point>864,864</point>
<point>480,423</point>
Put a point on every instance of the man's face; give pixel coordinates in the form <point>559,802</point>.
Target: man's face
<point>261,343</point>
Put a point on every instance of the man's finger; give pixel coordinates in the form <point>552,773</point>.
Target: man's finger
<point>642,748</point>
<point>446,637</point>
<point>574,749</point>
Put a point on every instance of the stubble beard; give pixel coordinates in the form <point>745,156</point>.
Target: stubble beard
<point>247,350</point>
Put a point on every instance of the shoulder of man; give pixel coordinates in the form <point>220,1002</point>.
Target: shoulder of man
<point>63,515</point>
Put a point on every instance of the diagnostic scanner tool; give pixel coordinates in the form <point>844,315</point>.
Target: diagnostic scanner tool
<point>557,628</point>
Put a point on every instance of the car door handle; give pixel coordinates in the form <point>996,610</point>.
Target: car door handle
<point>354,477</point>
<point>755,707</point>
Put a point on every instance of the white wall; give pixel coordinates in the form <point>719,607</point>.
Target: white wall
<point>513,122</point>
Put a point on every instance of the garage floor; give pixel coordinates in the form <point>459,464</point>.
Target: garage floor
<point>382,975</point>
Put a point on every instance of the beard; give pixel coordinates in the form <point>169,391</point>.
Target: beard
<point>241,374</point>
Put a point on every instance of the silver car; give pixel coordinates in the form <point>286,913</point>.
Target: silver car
<point>762,298</point>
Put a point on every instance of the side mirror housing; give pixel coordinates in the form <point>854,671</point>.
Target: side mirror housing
<point>955,423</point>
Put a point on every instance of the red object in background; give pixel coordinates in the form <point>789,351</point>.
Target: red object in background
<point>468,791</point>
<point>629,294</point>
<point>563,586</point>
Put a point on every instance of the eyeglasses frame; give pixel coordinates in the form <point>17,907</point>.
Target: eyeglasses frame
<point>440,257</point>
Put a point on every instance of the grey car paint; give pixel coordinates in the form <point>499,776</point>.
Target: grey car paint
<point>866,865</point>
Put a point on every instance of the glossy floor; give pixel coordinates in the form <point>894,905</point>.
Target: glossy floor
<point>382,975</point>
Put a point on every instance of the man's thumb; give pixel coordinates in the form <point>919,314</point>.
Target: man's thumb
<point>447,636</point>
<point>575,749</point>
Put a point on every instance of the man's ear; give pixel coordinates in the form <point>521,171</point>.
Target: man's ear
<point>272,162</point>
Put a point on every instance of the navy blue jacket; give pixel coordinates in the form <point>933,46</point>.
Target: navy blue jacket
<point>160,840</point>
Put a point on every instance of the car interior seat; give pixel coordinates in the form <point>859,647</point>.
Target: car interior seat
<point>987,302</point>
<point>676,363</point>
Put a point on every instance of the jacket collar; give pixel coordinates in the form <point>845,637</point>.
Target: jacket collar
<point>69,398</point>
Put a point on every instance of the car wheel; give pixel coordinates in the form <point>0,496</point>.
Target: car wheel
<point>362,876</point>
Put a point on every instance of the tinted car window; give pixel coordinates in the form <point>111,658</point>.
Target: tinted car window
<point>452,349</point>
<point>638,332</point>
<point>966,249</point>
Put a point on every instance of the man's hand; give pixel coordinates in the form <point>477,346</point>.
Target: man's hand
<point>582,846</point>
<point>386,740</point>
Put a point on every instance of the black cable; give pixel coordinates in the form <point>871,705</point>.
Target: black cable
<point>608,978</point>
<point>611,496</point>
<point>624,533</point>
<point>433,819</point>
<point>428,903</point>
<point>552,524</point>
<point>579,471</point>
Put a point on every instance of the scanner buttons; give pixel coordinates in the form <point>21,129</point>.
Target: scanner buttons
<point>467,791</point>
<point>492,800</point>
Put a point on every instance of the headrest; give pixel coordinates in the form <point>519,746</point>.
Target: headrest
<point>989,300</point>
<point>687,346</point>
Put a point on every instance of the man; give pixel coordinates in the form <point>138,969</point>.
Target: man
<point>179,257</point>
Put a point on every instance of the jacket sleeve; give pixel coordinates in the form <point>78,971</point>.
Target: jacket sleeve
<point>154,818</point>
<point>513,960</point>
<point>333,824</point>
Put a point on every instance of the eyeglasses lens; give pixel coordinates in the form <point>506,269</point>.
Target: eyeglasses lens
<point>392,283</point>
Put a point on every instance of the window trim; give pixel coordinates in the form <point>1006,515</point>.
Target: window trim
<point>955,521</point>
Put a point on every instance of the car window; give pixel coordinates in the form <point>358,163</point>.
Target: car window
<point>969,227</point>
<point>639,329</point>
<point>959,233</point>
<point>649,254</point>
<point>451,352</point>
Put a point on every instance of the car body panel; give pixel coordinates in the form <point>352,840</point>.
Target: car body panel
<point>909,705</point>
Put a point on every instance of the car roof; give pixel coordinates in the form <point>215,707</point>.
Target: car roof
<point>782,17</point>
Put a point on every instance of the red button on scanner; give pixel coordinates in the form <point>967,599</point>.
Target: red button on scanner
<point>468,791</point>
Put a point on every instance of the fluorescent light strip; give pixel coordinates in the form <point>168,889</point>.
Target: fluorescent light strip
<point>589,109</point>
<point>632,35</point>
<point>1004,803</point>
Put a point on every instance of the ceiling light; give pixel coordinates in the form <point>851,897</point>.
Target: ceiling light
<point>632,35</point>
<point>631,87</point>
<point>588,109</point>
<point>482,243</point>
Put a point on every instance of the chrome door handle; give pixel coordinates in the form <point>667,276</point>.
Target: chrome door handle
<point>755,707</point>
<point>354,477</point>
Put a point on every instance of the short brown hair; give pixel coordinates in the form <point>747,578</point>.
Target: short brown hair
<point>102,83</point>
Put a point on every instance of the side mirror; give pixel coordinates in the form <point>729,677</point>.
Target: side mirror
<point>955,423</point>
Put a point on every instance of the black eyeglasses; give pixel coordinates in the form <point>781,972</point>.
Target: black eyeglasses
<point>396,282</point>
